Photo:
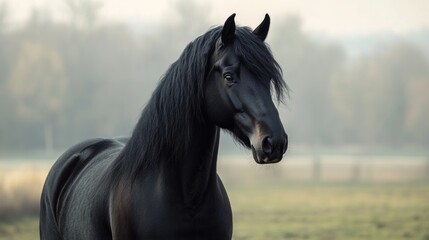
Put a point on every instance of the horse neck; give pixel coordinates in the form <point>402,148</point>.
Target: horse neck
<point>196,171</point>
<point>191,173</point>
<point>190,169</point>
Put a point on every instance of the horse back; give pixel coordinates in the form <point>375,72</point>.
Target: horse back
<point>62,174</point>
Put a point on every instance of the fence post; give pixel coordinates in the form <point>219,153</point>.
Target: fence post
<point>427,168</point>
<point>316,168</point>
<point>356,171</point>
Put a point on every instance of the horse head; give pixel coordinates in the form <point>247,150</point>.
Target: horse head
<point>238,95</point>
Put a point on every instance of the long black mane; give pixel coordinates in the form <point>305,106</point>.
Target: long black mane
<point>176,105</point>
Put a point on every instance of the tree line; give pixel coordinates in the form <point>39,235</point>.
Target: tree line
<point>62,82</point>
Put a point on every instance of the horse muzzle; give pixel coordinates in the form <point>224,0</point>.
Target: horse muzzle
<point>269,149</point>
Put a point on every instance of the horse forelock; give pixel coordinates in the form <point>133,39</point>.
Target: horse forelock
<point>256,55</point>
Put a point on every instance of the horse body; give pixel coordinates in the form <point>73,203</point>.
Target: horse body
<point>163,203</point>
<point>162,183</point>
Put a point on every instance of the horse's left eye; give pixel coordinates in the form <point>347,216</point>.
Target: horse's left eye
<point>228,78</point>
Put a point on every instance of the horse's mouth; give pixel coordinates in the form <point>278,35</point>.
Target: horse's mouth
<point>262,158</point>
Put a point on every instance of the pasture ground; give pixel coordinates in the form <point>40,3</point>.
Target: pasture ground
<point>331,211</point>
<point>277,210</point>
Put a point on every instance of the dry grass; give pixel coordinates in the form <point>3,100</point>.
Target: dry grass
<point>331,211</point>
<point>20,190</point>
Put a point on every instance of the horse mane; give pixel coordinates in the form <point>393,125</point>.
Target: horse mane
<point>176,106</point>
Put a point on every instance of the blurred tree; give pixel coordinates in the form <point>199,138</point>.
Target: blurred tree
<point>83,13</point>
<point>411,67</point>
<point>381,97</point>
<point>3,15</point>
<point>3,72</point>
<point>308,69</point>
<point>3,59</point>
<point>163,47</point>
<point>37,83</point>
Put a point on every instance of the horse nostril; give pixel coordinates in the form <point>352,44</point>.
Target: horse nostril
<point>267,145</point>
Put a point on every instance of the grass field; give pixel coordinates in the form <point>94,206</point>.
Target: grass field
<point>331,211</point>
<point>309,211</point>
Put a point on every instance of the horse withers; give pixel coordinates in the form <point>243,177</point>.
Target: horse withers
<point>161,183</point>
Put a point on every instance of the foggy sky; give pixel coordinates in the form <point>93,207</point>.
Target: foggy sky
<point>330,17</point>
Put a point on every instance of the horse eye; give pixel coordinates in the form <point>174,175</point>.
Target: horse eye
<point>228,77</point>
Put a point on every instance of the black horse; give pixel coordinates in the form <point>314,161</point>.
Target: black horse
<point>162,183</point>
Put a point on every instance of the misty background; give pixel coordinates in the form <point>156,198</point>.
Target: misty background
<point>85,76</point>
<point>357,115</point>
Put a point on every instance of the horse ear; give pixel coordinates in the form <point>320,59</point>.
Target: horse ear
<point>228,31</point>
<point>262,30</point>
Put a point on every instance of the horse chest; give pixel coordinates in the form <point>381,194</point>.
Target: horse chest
<point>163,216</point>
<point>160,224</point>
